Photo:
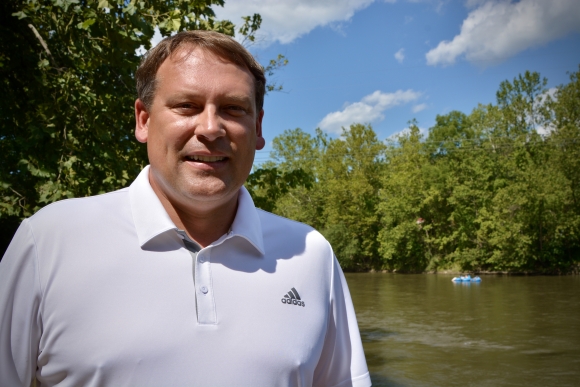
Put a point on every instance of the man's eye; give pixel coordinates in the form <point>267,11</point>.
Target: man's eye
<point>234,109</point>
<point>185,106</point>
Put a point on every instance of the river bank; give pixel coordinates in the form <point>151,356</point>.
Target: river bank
<point>573,271</point>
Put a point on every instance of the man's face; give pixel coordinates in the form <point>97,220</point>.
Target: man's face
<point>202,129</point>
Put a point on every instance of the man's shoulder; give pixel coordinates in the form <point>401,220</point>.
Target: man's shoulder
<point>75,210</point>
<point>279,227</point>
<point>277,222</point>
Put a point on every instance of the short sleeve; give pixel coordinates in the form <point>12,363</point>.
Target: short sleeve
<point>19,303</point>
<point>342,362</point>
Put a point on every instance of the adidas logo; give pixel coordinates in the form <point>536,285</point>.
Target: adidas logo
<point>292,298</point>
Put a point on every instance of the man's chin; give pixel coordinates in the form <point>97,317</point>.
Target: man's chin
<point>217,192</point>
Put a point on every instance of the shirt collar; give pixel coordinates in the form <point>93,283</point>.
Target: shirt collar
<point>247,222</point>
<point>151,219</point>
<point>149,215</point>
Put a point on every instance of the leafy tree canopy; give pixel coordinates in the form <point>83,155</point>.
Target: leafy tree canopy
<point>496,189</point>
<point>67,81</point>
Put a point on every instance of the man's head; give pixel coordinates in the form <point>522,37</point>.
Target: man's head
<point>200,113</point>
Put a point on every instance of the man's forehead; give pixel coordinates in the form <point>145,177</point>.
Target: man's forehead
<point>184,52</point>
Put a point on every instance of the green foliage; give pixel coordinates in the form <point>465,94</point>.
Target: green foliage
<point>405,244</point>
<point>484,191</point>
<point>341,198</point>
<point>266,185</point>
<point>350,174</point>
<point>297,150</point>
<point>67,124</point>
<point>274,65</point>
<point>250,27</point>
<point>67,80</point>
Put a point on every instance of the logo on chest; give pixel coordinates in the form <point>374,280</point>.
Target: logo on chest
<point>292,298</point>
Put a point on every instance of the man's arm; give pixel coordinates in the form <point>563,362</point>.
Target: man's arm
<point>342,363</point>
<point>20,296</point>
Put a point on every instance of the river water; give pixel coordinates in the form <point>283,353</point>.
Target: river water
<point>424,330</point>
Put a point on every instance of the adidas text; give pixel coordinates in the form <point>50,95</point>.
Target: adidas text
<point>292,298</point>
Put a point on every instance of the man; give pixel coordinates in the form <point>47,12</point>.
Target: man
<point>179,280</point>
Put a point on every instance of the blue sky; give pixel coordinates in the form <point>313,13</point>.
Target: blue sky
<point>387,62</point>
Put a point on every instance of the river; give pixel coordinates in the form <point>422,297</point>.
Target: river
<point>424,330</point>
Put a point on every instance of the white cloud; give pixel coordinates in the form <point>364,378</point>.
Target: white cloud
<point>285,21</point>
<point>496,30</point>
<point>369,109</point>
<point>400,55</point>
<point>420,107</point>
<point>405,132</point>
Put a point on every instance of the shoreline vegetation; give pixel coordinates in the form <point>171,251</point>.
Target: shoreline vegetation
<point>493,191</point>
<point>573,271</point>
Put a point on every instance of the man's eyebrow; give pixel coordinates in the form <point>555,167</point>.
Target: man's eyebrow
<point>229,97</point>
<point>181,94</point>
<point>238,98</point>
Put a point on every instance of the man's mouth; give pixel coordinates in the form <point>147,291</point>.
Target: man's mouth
<point>205,159</point>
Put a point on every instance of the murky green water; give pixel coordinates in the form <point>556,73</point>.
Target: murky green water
<point>424,330</point>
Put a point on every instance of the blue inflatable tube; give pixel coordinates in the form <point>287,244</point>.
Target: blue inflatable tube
<point>466,278</point>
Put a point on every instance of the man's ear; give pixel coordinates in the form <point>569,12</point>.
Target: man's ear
<point>260,142</point>
<point>141,121</point>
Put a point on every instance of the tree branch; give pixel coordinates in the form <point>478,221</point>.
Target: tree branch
<point>43,43</point>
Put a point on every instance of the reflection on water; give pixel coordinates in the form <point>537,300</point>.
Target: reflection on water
<point>424,330</point>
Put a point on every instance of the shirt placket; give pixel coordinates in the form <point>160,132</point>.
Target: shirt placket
<point>204,294</point>
<point>206,311</point>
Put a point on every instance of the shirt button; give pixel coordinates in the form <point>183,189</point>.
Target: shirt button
<point>203,289</point>
<point>201,260</point>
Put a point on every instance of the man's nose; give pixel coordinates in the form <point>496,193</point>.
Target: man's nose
<point>210,125</point>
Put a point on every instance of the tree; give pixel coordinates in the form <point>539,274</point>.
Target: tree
<point>334,188</point>
<point>297,152</point>
<point>67,78</point>
<point>267,185</point>
<point>484,191</point>
<point>350,173</point>
<point>404,239</point>
<point>522,102</point>
<point>565,142</point>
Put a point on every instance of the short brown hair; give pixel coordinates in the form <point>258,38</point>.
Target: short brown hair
<point>218,44</point>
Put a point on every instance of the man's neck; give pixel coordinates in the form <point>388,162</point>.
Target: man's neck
<point>204,227</point>
<point>204,222</point>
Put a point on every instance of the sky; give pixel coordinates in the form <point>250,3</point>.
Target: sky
<point>386,62</point>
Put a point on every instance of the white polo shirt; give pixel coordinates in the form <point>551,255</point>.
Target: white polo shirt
<point>101,291</point>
